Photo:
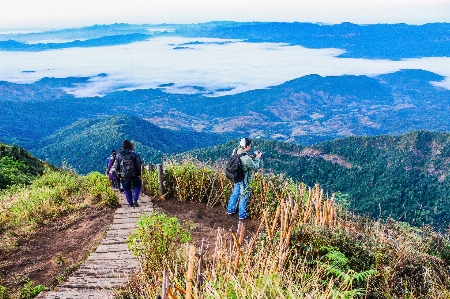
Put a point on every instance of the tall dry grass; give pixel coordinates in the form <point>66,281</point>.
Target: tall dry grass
<point>306,247</point>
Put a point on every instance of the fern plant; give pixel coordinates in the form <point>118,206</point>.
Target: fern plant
<point>337,266</point>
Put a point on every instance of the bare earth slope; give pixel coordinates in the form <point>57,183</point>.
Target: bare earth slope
<point>59,248</point>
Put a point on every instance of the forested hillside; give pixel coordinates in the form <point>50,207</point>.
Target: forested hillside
<point>406,177</point>
<point>86,144</point>
<point>305,110</point>
<point>17,166</point>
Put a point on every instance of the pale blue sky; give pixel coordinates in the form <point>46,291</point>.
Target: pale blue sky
<point>19,14</point>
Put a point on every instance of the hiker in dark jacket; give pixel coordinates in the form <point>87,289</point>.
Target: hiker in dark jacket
<point>241,191</point>
<point>128,166</point>
<point>111,172</point>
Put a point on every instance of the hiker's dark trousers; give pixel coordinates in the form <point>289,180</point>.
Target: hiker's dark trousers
<point>132,188</point>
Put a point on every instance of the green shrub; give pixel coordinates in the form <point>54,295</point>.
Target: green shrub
<point>4,294</point>
<point>30,291</point>
<point>157,238</point>
<point>98,186</point>
<point>150,182</point>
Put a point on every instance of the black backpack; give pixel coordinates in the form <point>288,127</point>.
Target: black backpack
<point>127,168</point>
<point>233,168</point>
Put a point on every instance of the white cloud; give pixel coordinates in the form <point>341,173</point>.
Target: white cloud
<point>238,65</point>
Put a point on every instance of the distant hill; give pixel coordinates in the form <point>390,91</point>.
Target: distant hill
<point>406,177</point>
<point>17,166</point>
<point>377,41</point>
<point>85,144</point>
<point>12,45</point>
<point>305,110</point>
<point>374,41</point>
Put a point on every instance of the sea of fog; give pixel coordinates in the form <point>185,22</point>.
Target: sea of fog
<point>214,64</point>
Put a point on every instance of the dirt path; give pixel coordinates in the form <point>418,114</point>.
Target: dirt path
<point>52,252</point>
<point>56,248</point>
<point>110,265</point>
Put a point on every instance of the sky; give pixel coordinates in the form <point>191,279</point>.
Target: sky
<point>20,14</point>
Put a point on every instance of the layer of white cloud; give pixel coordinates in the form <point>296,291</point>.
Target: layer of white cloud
<point>235,65</point>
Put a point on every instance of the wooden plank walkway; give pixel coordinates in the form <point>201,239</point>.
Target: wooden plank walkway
<point>110,266</point>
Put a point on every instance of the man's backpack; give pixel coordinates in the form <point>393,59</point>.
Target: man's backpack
<point>233,168</point>
<point>127,168</point>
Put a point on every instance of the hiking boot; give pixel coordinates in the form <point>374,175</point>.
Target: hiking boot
<point>135,203</point>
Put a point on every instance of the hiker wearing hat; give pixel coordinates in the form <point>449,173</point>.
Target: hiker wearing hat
<point>241,182</point>
<point>128,166</point>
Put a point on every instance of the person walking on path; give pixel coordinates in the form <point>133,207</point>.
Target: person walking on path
<point>241,191</point>
<point>111,172</point>
<point>128,166</point>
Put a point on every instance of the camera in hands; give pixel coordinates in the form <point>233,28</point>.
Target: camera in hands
<point>256,153</point>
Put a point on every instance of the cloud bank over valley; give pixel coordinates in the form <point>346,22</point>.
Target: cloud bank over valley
<point>219,66</point>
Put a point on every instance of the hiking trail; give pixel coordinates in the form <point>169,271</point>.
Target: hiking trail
<point>111,265</point>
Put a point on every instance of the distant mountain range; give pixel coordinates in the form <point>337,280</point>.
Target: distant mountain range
<point>378,41</point>
<point>306,110</point>
<point>405,177</point>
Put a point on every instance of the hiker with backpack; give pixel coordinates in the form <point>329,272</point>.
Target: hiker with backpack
<point>111,172</point>
<point>239,170</point>
<point>128,166</point>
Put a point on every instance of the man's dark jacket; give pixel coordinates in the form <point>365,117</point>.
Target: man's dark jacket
<point>136,160</point>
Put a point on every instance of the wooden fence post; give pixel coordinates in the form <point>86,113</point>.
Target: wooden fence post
<point>165,284</point>
<point>150,167</point>
<point>160,178</point>
<point>200,267</point>
<point>190,272</point>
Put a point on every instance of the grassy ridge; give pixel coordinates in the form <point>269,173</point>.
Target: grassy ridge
<point>406,177</point>
<point>307,247</point>
<point>33,194</point>
<point>48,198</point>
<point>54,194</point>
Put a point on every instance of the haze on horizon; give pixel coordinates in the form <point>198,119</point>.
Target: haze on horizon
<point>52,14</point>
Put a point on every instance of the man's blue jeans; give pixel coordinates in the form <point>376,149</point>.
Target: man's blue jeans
<point>239,199</point>
<point>131,195</point>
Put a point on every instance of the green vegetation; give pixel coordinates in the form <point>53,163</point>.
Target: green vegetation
<point>34,194</point>
<point>86,144</point>
<point>156,240</point>
<point>17,166</point>
<point>306,246</point>
<point>3,292</point>
<point>404,177</point>
<point>29,291</point>
<point>54,194</point>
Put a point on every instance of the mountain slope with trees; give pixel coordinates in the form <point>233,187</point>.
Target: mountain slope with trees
<point>405,177</point>
<point>85,144</point>
<point>305,110</point>
<point>18,166</point>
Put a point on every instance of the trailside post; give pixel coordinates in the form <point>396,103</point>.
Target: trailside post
<point>165,284</point>
<point>160,178</point>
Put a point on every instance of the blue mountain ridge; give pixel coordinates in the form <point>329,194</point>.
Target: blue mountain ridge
<point>304,110</point>
<point>377,41</point>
